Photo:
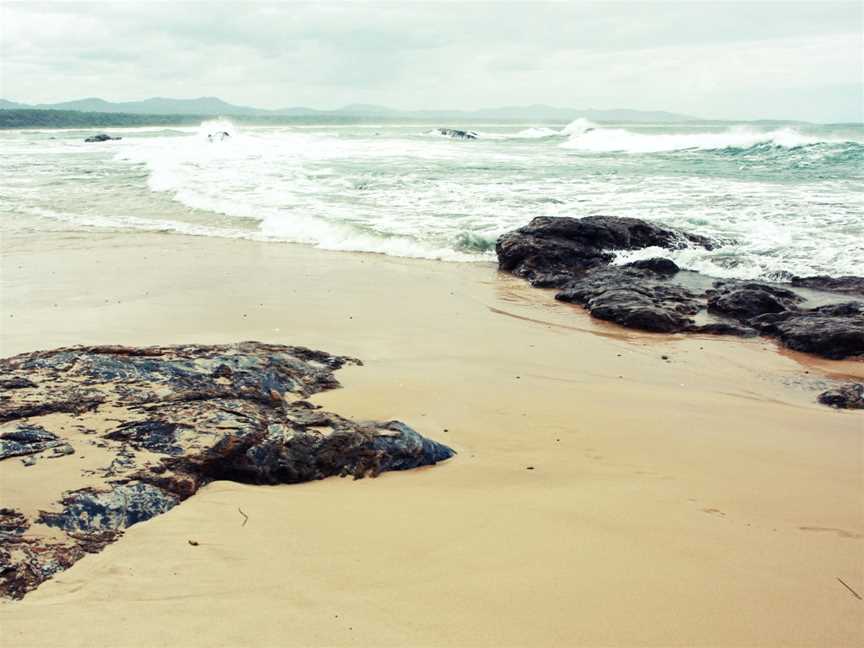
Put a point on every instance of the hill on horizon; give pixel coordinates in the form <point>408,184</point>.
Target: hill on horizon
<point>213,106</point>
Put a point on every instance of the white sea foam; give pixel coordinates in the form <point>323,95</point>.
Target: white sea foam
<point>397,192</point>
<point>120,223</point>
<point>609,140</point>
<point>578,127</point>
<point>539,132</point>
<point>268,179</point>
<point>214,130</point>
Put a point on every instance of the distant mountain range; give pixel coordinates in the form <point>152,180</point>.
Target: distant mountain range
<point>212,106</point>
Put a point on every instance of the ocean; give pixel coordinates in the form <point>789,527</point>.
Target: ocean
<point>783,199</point>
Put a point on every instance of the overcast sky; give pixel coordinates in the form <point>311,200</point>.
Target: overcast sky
<point>794,60</point>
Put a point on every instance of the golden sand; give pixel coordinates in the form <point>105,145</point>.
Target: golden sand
<point>602,495</point>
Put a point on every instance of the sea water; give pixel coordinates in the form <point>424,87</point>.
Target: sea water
<point>781,198</point>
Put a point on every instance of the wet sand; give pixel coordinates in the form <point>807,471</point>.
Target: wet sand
<point>602,495</point>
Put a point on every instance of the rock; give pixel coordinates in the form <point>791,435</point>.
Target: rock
<point>29,460</point>
<point>743,300</point>
<point>62,450</point>
<point>174,419</point>
<point>457,134</point>
<point>156,436</point>
<point>848,284</point>
<point>658,265</point>
<point>88,510</point>
<point>101,137</point>
<point>28,435</point>
<point>850,396</point>
<point>835,331</point>
<point>634,298</point>
<point>12,523</point>
<point>574,255</point>
<point>551,251</point>
<point>15,383</point>
<point>285,454</point>
<point>633,310</point>
<point>26,440</point>
<point>724,328</point>
<point>25,562</point>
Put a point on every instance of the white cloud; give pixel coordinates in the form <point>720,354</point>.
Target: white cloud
<point>720,59</point>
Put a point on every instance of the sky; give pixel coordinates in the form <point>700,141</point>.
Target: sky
<point>724,60</point>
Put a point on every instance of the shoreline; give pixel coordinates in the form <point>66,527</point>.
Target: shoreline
<point>706,499</point>
<point>70,241</point>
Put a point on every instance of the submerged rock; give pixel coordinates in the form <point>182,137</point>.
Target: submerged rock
<point>847,284</point>
<point>101,137</point>
<point>174,419</point>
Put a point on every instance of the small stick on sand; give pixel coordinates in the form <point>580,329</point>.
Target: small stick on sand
<point>854,593</point>
<point>246,519</point>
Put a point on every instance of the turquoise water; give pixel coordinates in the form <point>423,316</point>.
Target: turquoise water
<point>783,198</point>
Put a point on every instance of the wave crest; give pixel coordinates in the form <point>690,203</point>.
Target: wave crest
<point>619,140</point>
<point>578,127</point>
<point>536,132</point>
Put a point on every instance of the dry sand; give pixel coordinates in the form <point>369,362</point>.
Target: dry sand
<point>703,500</point>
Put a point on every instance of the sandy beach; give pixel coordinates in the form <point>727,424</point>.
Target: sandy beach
<point>612,488</point>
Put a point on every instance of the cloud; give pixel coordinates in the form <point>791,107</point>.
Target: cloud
<point>708,58</point>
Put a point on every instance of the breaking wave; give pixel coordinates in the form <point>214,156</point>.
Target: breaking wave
<point>539,132</point>
<point>578,127</point>
<point>789,198</point>
<point>588,137</point>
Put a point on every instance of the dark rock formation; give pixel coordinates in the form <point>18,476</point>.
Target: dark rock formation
<point>101,137</point>
<point>850,396</point>
<point>743,300</point>
<point>848,284</point>
<point>15,383</point>
<point>835,331</point>
<point>574,255</point>
<point>724,328</point>
<point>90,511</point>
<point>657,265</point>
<point>12,522</point>
<point>173,419</point>
<point>458,134</point>
<point>549,252</point>
<point>26,561</point>
<point>26,440</point>
<point>633,297</point>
